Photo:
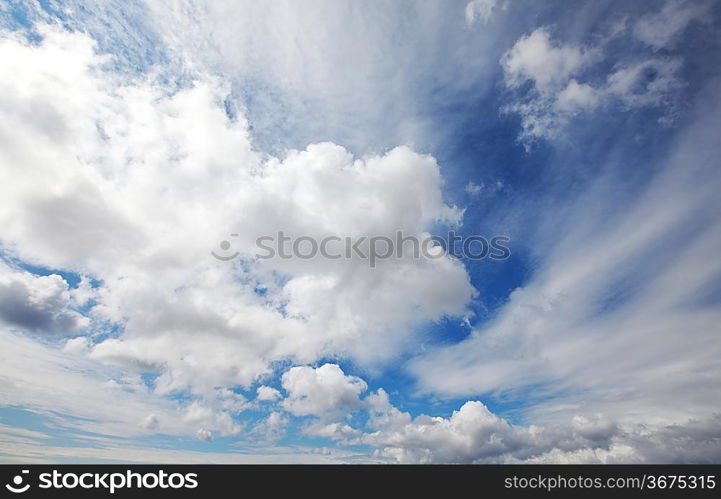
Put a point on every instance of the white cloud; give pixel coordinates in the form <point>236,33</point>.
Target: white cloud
<point>151,422</point>
<point>648,83</point>
<point>204,435</point>
<point>273,427</point>
<point>78,346</point>
<point>558,96</point>
<point>337,431</point>
<point>37,451</point>
<point>577,96</point>
<point>546,64</point>
<point>325,391</point>
<point>661,29</point>
<point>470,434</point>
<point>312,74</point>
<point>132,182</point>
<point>267,394</point>
<point>142,198</point>
<point>473,434</point>
<point>104,401</point>
<point>607,296</point>
<point>479,10</point>
<point>37,303</point>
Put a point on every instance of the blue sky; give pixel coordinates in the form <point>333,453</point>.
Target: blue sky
<point>137,136</point>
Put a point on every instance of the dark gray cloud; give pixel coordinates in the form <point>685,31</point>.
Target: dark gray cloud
<point>37,303</point>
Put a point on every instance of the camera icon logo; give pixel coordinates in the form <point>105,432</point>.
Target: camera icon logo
<point>17,486</point>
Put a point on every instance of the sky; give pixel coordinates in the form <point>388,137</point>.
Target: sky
<point>136,137</point>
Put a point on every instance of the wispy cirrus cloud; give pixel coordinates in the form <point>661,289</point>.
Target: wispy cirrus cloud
<point>605,296</point>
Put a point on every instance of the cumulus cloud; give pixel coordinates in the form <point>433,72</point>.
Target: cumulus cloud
<point>142,199</point>
<point>138,205</point>
<point>473,434</point>
<point>470,434</point>
<point>536,58</point>
<point>37,303</point>
<point>576,96</point>
<point>565,83</point>
<point>551,70</point>
<point>323,391</point>
<point>267,394</point>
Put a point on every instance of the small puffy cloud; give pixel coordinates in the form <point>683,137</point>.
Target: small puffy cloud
<point>577,97</point>
<point>37,303</point>
<point>337,431</point>
<point>548,65</point>
<point>267,394</point>
<point>557,95</point>
<point>661,29</point>
<point>479,10</point>
<point>324,391</point>
<point>204,434</point>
